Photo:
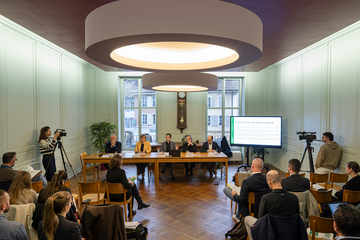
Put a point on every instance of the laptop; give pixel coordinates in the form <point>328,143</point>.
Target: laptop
<point>174,153</point>
<point>334,205</point>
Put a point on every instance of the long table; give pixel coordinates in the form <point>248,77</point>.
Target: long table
<point>156,159</point>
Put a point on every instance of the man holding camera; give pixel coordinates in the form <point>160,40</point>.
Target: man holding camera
<point>329,156</point>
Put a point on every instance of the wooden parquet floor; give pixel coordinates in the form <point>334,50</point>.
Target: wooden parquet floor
<point>189,208</point>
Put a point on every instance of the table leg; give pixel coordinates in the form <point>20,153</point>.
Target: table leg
<point>226,172</point>
<point>156,174</point>
<point>84,173</point>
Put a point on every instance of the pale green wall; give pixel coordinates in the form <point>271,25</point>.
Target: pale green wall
<point>316,90</point>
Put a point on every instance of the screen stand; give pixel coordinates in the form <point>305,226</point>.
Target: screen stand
<point>245,165</point>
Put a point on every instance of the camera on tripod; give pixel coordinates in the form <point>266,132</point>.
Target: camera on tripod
<point>308,136</point>
<point>62,133</point>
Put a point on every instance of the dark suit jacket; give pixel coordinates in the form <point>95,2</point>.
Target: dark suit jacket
<point>296,183</point>
<point>118,175</point>
<point>163,146</point>
<point>65,230</point>
<point>191,148</point>
<point>205,147</point>
<point>352,184</point>
<point>255,183</point>
<point>116,148</point>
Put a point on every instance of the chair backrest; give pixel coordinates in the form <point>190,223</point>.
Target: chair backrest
<point>351,196</point>
<point>322,196</point>
<point>82,156</point>
<point>89,187</point>
<point>67,184</point>
<point>338,178</point>
<point>319,224</point>
<point>319,178</point>
<point>37,186</point>
<point>115,188</point>
<point>301,174</point>
<point>251,200</point>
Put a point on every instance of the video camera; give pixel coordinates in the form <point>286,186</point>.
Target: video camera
<point>62,133</point>
<point>308,136</point>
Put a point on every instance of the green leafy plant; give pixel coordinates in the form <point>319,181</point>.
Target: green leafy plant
<point>100,134</point>
<point>259,151</point>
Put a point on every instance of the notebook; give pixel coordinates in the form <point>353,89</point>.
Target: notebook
<point>174,153</point>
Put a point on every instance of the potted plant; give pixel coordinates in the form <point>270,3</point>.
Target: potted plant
<point>100,134</point>
<point>259,151</point>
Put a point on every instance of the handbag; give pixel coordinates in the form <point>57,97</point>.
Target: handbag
<point>139,233</point>
<point>238,232</point>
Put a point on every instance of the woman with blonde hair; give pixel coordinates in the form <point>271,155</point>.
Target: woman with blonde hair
<point>142,146</point>
<point>55,226</point>
<point>21,191</point>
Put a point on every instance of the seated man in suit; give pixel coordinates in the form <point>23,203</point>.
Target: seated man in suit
<point>255,183</point>
<point>279,202</point>
<point>347,222</point>
<point>112,147</point>
<point>7,173</point>
<point>166,147</point>
<point>295,182</point>
<point>210,146</point>
<point>191,147</point>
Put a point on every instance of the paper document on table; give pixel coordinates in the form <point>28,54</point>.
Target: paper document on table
<point>107,155</point>
<point>317,186</point>
<point>233,187</point>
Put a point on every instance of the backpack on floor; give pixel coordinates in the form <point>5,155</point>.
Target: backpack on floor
<point>139,233</point>
<point>238,232</point>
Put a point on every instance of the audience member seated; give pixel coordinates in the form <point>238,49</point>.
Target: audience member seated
<point>56,185</point>
<point>295,182</point>
<point>142,146</point>
<point>255,183</point>
<point>166,147</point>
<point>352,169</point>
<point>21,191</point>
<point>210,146</point>
<point>9,229</point>
<point>7,174</point>
<point>279,202</point>
<point>347,222</point>
<point>189,147</point>
<point>112,147</point>
<point>55,226</point>
<point>116,174</point>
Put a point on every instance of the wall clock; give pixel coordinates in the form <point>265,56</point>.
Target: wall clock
<point>181,111</point>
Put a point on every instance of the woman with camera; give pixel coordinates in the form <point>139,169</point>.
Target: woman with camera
<point>46,147</point>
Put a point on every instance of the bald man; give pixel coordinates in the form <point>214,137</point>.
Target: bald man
<point>255,183</point>
<point>279,202</point>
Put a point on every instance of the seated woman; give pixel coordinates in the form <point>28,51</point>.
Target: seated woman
<point>352,169</point>
<point>55,226</point>
<point>21,191</point>
<point>117,175</point>
<point>142,146</point>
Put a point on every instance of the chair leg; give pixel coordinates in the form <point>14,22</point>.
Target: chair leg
<point>126,218</point>
<point>98,170</point>
<point>82,170</point>
<point>94,174</point>
<point>131,216</point>
<point>84,177</point>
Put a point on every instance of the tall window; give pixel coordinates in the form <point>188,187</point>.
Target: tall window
<point>139,115</point>
<point>227,104</point>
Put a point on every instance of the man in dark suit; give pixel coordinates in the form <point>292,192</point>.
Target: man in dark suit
<point>210,146</point>
<point>255,183</point>
<point>347,222</point>
<point>191,147</point>
<point>112,147</point>
<point>166,147</point>
<point>295,182</point>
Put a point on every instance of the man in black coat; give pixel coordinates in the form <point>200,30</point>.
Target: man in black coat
<point>191,147</point>
<point>210,146</point>
<point>295,182</point>
<point>112,147</point>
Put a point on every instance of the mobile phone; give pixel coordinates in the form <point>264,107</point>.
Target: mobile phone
<point>86,201</point>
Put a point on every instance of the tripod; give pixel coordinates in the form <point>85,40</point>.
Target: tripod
<point>310,150</point>
<point>62,151</point>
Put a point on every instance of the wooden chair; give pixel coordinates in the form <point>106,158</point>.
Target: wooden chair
<point>37,186</point>
<point>251,200</point>
<point>236,184</point>
<point>338,178</point>
<point>90,191</point>
<point>74,195</point>
<point>322,196</point>
<point>350,196</point>
<point>318,178</point>
<point>319,224</point>
<point>301,174</point>
<point>118,188</point>
<point>84,166</point>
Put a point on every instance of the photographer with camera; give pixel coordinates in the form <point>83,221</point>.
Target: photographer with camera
<point>329,156</point>
<point>46,147</point>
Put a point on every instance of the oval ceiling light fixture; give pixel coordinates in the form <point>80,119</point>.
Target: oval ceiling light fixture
<point>180,82</point>
<point>173,35</point>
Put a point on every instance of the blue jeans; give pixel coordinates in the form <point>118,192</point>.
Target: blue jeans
<point>52,167</point>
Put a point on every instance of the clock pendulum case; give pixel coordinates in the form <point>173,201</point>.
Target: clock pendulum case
<point>181,111</point>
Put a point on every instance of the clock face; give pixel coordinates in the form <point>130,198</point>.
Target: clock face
<point>181,94</point>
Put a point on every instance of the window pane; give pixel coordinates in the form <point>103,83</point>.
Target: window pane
<point>131,93</point>
<point>131,128</point>
<point>213,96</point>
<point>150,97</point>
<point>228,113</point>
<point>149,128</point>
<point>232,93</point>
<point>215,123</point>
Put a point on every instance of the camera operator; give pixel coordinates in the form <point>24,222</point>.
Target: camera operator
<point>329,156</point>
<point>46,147</point>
